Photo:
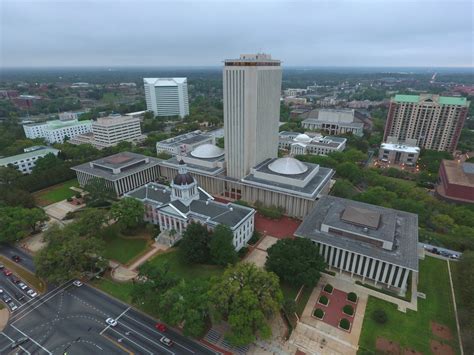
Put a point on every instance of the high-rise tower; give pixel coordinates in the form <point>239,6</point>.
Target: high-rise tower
<point>167,96</point>
<point>252,86</point>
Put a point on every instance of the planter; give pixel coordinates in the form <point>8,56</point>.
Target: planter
<point>318,315</point>
<point>348,310</point>
<point>346,329</point>
<point>352,297</point>
<point>328,288</point>
<point>321,300</point>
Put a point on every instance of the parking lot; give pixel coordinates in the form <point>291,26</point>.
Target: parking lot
<point>71,319</point>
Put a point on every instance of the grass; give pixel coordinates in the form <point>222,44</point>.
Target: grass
<point>120,290</point>
<point>291,292</point>
<point>55,193</point>
<point>185,271</point>
<point>120,248</point>
<point>24,274</point>
<point>412,329</point>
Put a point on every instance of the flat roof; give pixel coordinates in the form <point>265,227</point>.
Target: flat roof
<point>459,173</point>
<point>400,147</point>
<point>165,81</point>
<point>397,226</point>
<point>114,120</point>
<point>57,124</point>
<point>186,138</point>
<point>361,217</point>
<point>442,100</point>
<point>14,158</point>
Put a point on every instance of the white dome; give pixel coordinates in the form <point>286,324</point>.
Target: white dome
<point>207,151</point>
<point>288,166</point>
<point>303,138</point>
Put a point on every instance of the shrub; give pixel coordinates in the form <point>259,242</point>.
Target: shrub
<point>78,195</point>
<point>242,252</point>
<point>255,238</point>
<point>348,309</point>
<point>69,199</point>
<point>318,313</point>
<point>351,296</point>
<point>328,288</point>
<point>344,324</point>
<point>379,316</point>
<point>289,306</point>
<point>323,300</point>
<point>274,212</point>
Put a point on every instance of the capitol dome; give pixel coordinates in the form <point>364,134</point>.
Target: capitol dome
<point>207,151</point>
<point>302,138</point>
<point>288,166</point>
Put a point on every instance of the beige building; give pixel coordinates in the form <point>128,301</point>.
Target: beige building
<point>434,121</point>
<point>400,153</point>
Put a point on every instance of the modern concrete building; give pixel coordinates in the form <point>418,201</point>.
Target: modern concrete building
<point>25,162</point>
<point>111,130</point>
<point>456,181</point>
<point>434,121</point>
<point>310,143</point>
<point>400,153</point>
<point>334,122</point>
<point>56,131</point>
<point>167,96</point>
<point>252,87</point>
<point>120,172</point>
<point>373,243</point>
<point>184,202</point>
<point>184,143</point>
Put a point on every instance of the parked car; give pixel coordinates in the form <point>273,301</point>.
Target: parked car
<point>22,286</point>
<point>454,256</point>
<point>2,266</point>
<point>1,291</point>
<point>112,322</point>
<point>6,298</point>
<point>12,306</point>
<point>166,341</point>
<point>161,327</point>
<point>7,272</point>
<point>77,283</point>
<point>15,280</point>
<point>32,293</point>
<point>16,258</point>
<point>19,296</point>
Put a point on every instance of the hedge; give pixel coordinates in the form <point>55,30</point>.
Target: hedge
<point>323,300</point>
<point>344,324</point>
<point>351,296</point>
<point>318,313</point>
<point>348,309</point>
<point>328,288</point>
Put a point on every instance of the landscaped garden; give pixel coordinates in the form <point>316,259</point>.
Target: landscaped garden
<point>123,248</point>
<point>56,193</point>
<point>385,325</point>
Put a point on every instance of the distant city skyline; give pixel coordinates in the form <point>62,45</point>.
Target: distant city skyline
<point>364,33</point>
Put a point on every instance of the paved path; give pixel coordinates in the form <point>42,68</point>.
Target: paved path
<point>455,309</point>
<point>156,247</point>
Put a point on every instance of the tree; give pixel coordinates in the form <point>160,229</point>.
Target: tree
<point>67,255</point>
<point>221,246</point>
<point>343,188</point>
<point>33,217</point>
<point>350,171</point>
<point>9,175</point>
<point>194,247</point>
<point>247,297</point>
<point>47,162</point>
<point>98,193</point>
<point>90,221</point>
<point>128,212</point>
<point>296,261</point>
<point>186,303</point>
<point>17,222</point>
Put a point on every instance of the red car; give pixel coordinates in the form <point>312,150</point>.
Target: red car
<point>16,258</point>
<point>161,327</point>
<point>7,272</point>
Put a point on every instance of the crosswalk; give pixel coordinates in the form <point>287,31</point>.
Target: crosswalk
<point>214,337</point>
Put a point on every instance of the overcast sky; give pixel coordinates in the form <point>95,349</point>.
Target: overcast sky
<point>44,33</point>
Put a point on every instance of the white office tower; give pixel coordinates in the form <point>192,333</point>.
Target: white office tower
<point>252,87</point>
<point>112,130</point>
<point>167,96</point>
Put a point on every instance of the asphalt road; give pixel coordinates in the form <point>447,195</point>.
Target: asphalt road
<point>72,319</point>
<point>27,261</point>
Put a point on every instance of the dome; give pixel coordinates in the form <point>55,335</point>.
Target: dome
<point>288,166</point>
<point>302,138</point>
<point>183,179</point>
<point>206,151</point>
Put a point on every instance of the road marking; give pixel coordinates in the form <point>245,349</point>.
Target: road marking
<point>34,341</point>
<point>151,341</point>
<point>117,344</point>
<point>131,341</point>
<point>118,317</point>
<point>154,329</point>
<point>21,347</point>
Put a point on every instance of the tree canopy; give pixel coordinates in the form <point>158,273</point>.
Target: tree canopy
<point>221,247</point>
<point>128,212</point>
<point>194,247</point>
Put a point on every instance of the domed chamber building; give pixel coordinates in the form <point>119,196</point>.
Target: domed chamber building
<point>174,207</point>
<point>310,143</point>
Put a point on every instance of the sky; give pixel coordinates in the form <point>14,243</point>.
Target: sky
<point>155,33</point>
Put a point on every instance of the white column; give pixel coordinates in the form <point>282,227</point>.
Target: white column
<point>385,271</point>
<point>372,269</point>
<point>379,269</point>
<point>392,274</point>
<point>399,274</point>
<point>359,266</point>
<point>320,246</point>
<point>331,253</point>
<point>365,267</point>
<point>404,282</point>
<point>343,260</point>
<point>326,253</point>
<point>355,257</point>
<point>336,260</point>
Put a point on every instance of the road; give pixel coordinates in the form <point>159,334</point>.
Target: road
<point>72,319</point>
<point>429,247</point>
<point>27,261</point>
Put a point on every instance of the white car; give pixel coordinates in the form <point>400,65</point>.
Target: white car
<point>1,291</point>
<point>166,341</point>
<point>22,286</point>
<point>112,322</point>
<point>32,293</point>
<point>12,306</point>
<point>77,283</point>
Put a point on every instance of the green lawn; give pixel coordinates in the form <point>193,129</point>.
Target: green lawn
<point>120,290</point>
<point>412,329</point>
<point>120,248</point>
<point>55,193</point>
<point>186,271</point>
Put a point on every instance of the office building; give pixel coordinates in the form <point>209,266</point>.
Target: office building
<point>434,121</point>
<point>174,207</point>
<point>373,243</point>
<point>310,143</point>
<point>456,181</point>
<point>167,96</point>
<point>334,122</point>
<point>69,116</point>
<point>184,143</point>
<point>252,86</point>
<point>26,161</point>
<point>399,153</point>
<point>120,172</point>
<point>56,131</point>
